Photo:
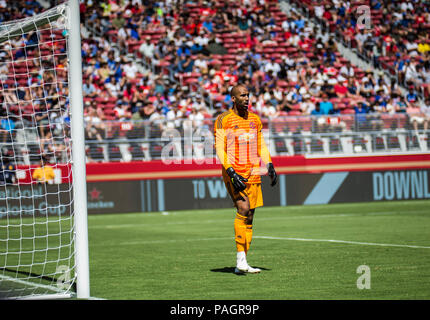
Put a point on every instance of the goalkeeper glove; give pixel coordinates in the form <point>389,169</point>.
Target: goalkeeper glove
<point>272,174</point>
<point>236,180</point>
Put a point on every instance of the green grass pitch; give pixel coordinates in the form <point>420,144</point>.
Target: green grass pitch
<point>306,252</point>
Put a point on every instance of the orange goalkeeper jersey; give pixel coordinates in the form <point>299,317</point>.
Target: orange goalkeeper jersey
<point>239,144</point>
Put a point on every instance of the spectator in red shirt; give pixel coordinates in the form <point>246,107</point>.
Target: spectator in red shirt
<point>205,10</point>
<point>192,27</point>
<point>327,16</point>
<point>249,42</point>
<point>304,43</point>
<point>420,19</point>
<point>341,90</point>
<point>129,92</point>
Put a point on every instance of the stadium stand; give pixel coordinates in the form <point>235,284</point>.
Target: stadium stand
<point>397,40</point>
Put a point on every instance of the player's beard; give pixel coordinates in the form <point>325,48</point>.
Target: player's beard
<point>244,106</point>
<point>242,109</point>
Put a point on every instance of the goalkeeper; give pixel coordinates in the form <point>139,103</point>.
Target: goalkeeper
<point>240,146</point>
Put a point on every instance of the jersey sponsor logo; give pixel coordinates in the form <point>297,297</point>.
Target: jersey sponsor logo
<point>246,137</point>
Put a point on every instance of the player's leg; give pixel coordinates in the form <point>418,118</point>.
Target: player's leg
<point>243,233</point>
<point>248,235</point>
<point>255,198</point>
<point>240,224</point>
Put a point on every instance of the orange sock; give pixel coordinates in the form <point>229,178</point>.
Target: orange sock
<point>240,232</point>
<point>248,237</point>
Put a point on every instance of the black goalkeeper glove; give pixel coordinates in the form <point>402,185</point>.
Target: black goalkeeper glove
<point>272,174</point>
<point>237,180</point>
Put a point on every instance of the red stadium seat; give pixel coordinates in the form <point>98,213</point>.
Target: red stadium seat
<point>347,111</point>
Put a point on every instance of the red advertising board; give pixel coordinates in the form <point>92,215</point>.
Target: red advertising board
<point>147,170</point>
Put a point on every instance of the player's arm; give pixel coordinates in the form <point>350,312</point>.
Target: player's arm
<point>221,136</point>
<point>221,143</point>
<point>264,154</point>
<point>263,151</point>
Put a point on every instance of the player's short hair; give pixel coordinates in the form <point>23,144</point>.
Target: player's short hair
<point>235,88</point>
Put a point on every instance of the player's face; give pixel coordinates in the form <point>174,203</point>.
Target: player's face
<point>241,99</point>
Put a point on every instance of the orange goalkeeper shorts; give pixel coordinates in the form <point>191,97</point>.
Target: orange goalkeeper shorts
<point>252,192</point>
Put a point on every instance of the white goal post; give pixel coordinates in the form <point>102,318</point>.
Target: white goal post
<point>43,193</point>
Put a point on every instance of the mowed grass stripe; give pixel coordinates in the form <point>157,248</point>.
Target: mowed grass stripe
<point>228,220</point>
<point>314,210</point>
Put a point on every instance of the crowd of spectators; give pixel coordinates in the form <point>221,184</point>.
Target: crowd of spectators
<point>168,61</point>
<point>200,49</point>
<point>396,39</point>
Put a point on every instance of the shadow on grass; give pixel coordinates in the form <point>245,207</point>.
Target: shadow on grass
<point>231,270</point>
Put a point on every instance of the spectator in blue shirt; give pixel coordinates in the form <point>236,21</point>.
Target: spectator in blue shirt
<point>111,60</point>
<point>401,105</point>
<point>317,111</point>
<point>300,23</point>
<point>88,88</point>
<point>361,108</point>
<point>196,48</point>
<point>6,129</point>
<point>243,24</point>
<point>411,96</point>
<point>361,111</point>
<point>326,105</point>
<point>207,25</point>
<point>183,50</point>
<point>186,64</point>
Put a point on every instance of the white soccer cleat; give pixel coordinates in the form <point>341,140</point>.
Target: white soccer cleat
<point>253,270</point>
<point>241,267</point>
<point>246,269</point>
<point>238,271</point>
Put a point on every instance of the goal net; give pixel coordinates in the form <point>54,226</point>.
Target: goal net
<point>38,229</point>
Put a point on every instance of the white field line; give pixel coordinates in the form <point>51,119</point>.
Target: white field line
<point>279,238</point>
<point>345,241</point>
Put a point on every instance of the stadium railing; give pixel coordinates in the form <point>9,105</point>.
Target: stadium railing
<point>339,135</point>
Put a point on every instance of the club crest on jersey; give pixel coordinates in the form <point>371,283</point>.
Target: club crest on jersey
<point>252,125</point>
